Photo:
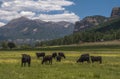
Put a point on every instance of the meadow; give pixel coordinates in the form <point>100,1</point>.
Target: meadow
<point>10,66</point>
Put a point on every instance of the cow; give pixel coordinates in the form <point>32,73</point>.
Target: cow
<point>83,58</point>
<point>58,58</point>
<point>96,59</point>
<point>47,58</point>
<point>42,54</point>
<point>61,54</point>
<point>54,54</point>
<point>25,59</point>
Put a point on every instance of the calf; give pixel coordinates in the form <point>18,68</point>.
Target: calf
<point>96,59</point>
<point>25,59</point>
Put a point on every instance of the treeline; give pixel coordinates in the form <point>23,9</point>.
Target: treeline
<point>83,37</point>
<point>107,31</point>
<point>76,38</point>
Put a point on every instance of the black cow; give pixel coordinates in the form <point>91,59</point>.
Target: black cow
<point>61,54</point>
<point>47,58</point>
<point>58,58</point>
<point>83,58</point>
<point>25,59</point>
<point>42,54</point>
<point>96,59</point>
<point>54,54</point>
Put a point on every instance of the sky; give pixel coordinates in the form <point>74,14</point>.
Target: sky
<point>55,10</point>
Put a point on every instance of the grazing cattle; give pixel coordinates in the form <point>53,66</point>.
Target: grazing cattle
<point>54,54</point>
<point>61,54</point>
<point>47,58</point>
<point>83,58</point>
<point>96,59</point>
<point>58,58</point>
<point>25,59</point>
<point>42,54</point>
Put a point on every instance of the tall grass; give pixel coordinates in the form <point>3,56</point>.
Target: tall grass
<point>10,66</point>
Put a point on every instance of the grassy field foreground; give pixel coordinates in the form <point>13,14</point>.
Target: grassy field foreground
<point>10,66</point>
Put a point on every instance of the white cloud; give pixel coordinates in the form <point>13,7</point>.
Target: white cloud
<point>40,5</point>
<point>27,14</point>
<point>69,17</point>
<point>11,9</point>
<point>8,15</point>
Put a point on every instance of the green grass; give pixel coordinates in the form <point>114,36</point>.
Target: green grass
<point>83,47</point>
<point>10,66</point>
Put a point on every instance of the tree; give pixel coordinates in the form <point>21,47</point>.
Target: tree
<point>11,45</point>
<point>4,45</point>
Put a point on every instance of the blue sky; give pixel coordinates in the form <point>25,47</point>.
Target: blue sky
<point>84,8</point>
<point>55,10</point>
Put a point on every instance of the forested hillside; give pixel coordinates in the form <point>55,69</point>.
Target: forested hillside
<point>109,30</point>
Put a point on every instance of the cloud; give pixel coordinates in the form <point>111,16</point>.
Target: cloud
<point>40,5</point>
<point>8,15</point>
<point>27,14</point>
<point>69,17</point>
<point>40,9</point>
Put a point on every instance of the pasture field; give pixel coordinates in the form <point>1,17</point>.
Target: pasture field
<point>10,66</point>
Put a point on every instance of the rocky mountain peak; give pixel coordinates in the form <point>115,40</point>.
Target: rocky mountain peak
<point>88,22</point>
<point>23,28</point>
<point>115,12</point>
<point>20,19</point>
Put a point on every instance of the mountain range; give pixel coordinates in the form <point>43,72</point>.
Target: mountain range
<point>21,29</point>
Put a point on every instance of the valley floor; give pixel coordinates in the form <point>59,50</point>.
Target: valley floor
<point>10,66</point>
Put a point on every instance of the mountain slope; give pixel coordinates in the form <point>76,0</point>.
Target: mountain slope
<point>107,26</point>
<point>93,29</point>
<point>24,28</point>
<point>106,31</point>
<point>91,21</point>
<point>88,22</point>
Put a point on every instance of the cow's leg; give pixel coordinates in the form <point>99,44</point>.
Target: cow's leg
<point>29,64</point>
<point>42,61</point>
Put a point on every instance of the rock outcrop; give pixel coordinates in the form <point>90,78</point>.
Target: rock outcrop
<point>91,21</point>
<point>88,22</point>
<point>115,12</point>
